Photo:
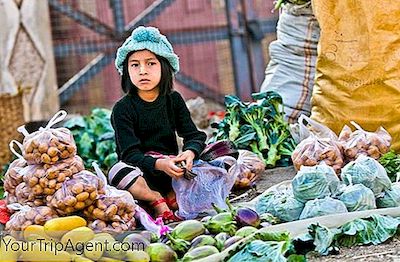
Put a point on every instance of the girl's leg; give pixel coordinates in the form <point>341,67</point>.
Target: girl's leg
<point>141,191</point>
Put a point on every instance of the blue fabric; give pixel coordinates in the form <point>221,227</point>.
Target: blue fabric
<point>148,38</point>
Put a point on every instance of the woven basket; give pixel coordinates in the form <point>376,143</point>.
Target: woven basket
<point>11,117</point>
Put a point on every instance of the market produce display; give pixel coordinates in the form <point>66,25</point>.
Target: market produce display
<point>258,127</point>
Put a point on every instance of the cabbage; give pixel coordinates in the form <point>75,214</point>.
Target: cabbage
<point>391,198</point>
<point>367,171</point>
<point>281,205</point>
<point>313,182</point>
<point>322,207</point>
<point>358,197</point>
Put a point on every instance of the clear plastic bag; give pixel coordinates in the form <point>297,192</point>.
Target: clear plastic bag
<point>367,171</point>
<point>211,185</point>
<point>45,180</point>
<point>305,126</point>
<point>25,196</point>
<point>114,206</point>
<point>361,142</point>
<point>77,193</point>
<point>48,145</point>
<point>315,182</point>
<point>247,169</point>
<point>13,176</point>
<point>323,207</point>
<point>25,216</point>
<point>315,150</point>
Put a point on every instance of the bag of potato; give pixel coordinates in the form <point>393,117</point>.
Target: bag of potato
<point>77,193</point>
<point>48,145</point>
<point>315,150</point>
<point>305,126</point>
<point>114,206</point>
<point>25,196</point>
<point>45,180</point>
<point>13,177</point>
<point>247,169</point>
<point>25,216</point>
<point>361,142</point>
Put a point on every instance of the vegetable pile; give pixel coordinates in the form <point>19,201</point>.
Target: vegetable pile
<point>258,127</point>
<point>94,137</point>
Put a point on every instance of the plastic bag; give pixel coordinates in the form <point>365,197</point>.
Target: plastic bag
<point>77,193</point>
<point>25,196</point>
<point>26,216</point>
<point>323,207</point>
<point>48,145</point>
<point>282,205</point>
<point>211,185</point>
<point>390,197</point>
<point>247,169</point>
<point>357,197</point>
<point>361,142</point>
<point>45,181</point>
<point>305,126</point>
<point>315,182</point>
<point>367,171</point>
<point>13,177</point>
<point>116,208</point>
<point>314,150</point>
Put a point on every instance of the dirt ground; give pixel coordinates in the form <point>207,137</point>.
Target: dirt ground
<point>388,251</point>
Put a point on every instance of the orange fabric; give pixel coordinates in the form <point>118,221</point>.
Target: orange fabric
<point>358,65</point>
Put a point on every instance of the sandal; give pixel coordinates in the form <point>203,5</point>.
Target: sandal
<point>167,216</point>
<point>172,204</point>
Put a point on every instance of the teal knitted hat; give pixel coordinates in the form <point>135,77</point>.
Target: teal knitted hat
<point>148,38</point>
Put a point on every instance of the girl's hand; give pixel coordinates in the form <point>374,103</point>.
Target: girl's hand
<point>168,165</point>
<point>186,156</point>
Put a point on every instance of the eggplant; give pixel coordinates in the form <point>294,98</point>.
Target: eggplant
<point>220,240</point>
<point>245,231</point>
<point>160,252</point>
<point>222,222</point>
<point>137,240</point>
<point>218,149</point>
<point>151,236</point>
<point>188,230</point>
<point>232,240</point>
<point>199,252</point>
<point>247,217</point>
<point>181,246</point>
<point>203,240</point>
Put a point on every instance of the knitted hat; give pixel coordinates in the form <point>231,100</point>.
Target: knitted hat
<point>148,38</point>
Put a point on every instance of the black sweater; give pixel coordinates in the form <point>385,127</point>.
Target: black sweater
<point>142,126</point>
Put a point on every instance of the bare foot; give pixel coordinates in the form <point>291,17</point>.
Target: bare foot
<point>171,200</point>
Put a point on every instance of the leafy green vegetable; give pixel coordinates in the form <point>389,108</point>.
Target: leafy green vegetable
<point>261,251</point>
<point>391,162</point>
<point>373,230</point>
<point>322,207</point>
<point>390,198</point>
<point>258,126</point>
<point>357,198</point>
<point>94,137</point>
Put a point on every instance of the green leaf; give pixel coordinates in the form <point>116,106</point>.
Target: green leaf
<point>296,258</point>
<point>75,123</point>
<point>260,251</point>
<point>110,160</point>
<point>85,145</point>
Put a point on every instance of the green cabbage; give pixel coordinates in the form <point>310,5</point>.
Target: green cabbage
<point>322,207</point>
<point>367,171</point>
<point>281,205</point>
<point>313,182</point>
<point>390,198</point>
<point>358,197</point>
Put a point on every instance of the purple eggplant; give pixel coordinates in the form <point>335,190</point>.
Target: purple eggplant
<point>245,216</point>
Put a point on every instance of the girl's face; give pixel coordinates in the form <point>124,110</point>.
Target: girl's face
<point>144,71</point>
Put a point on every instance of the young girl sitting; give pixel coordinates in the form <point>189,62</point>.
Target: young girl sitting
<point>146,120</point>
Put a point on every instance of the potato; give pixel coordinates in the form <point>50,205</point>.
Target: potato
<point>77,193</point>
<point>28,216</point>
